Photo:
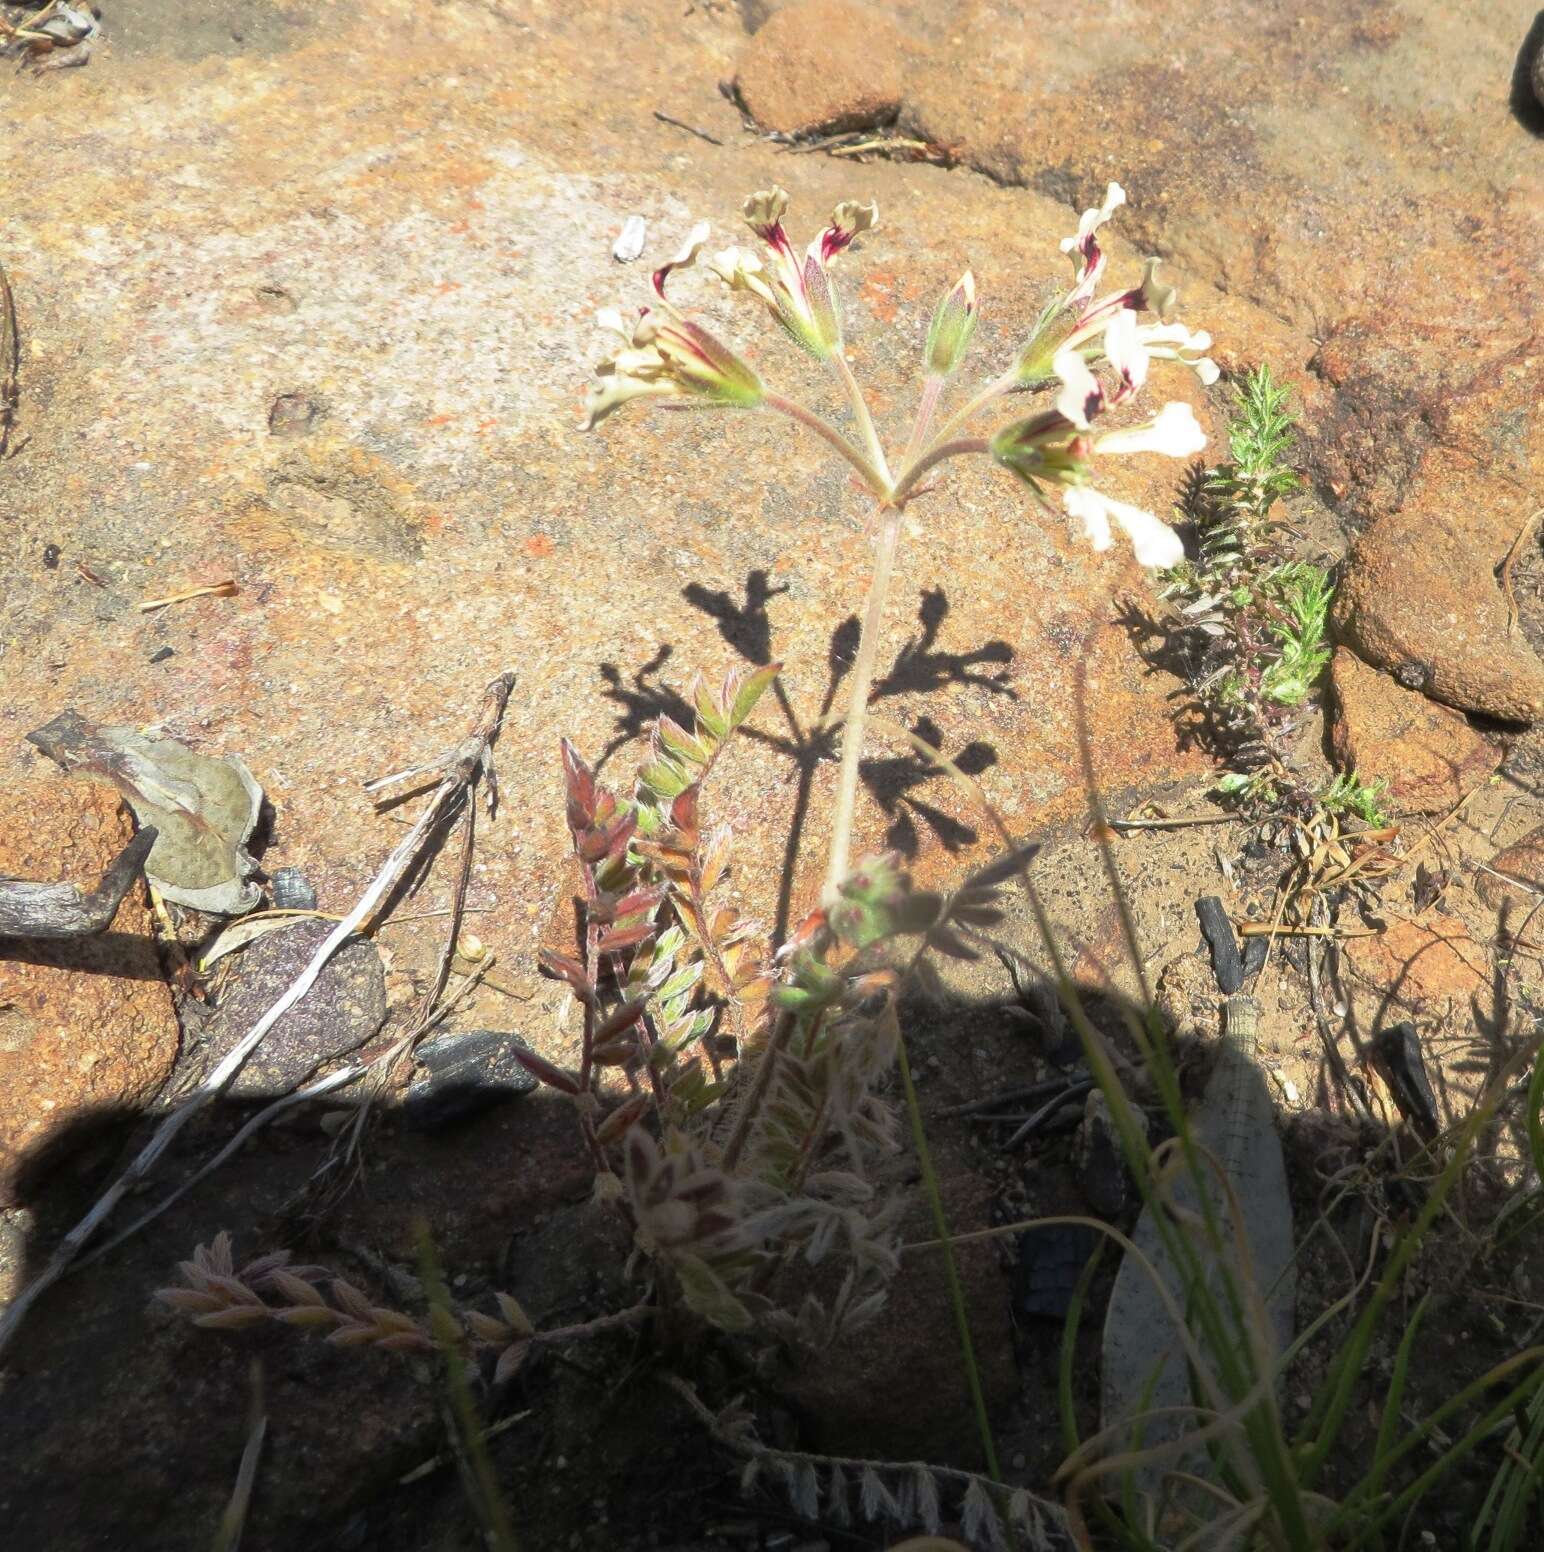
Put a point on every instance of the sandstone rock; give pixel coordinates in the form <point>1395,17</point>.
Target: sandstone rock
<point>1248,161</point>
<point>341,1011</point>
<point>1427,752</point>
<point>1421,965</point>
<point>1524,861</point>
<point>821,67</point>
<point>1419,599</point>
<point>87,1027</point>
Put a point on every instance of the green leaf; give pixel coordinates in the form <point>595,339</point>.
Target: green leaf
<point>680,743</point>
<point>711,715</point>
<point>708,1295</point>
<point>665,777</point>
<point>750,691</point>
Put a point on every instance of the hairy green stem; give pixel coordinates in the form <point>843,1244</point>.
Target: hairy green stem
<point>993,390</point>
<point>860,412</point>
<point>872,475</point>
<point>934,456</point>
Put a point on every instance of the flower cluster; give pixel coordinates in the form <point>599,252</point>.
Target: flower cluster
<point>1093,351</point>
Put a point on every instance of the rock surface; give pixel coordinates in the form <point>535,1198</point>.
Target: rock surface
<point>1522,861</point>
<point>1422,966</point>
<point>87,1029</point>
<point>463,1074</point>
<point>1419,598</point>
<point>1428,753</point>
<point>821,67</point>
<point>341,1011</point>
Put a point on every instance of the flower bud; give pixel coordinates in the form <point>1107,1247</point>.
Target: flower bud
<point>1046,447</point>
<point>954,321</point>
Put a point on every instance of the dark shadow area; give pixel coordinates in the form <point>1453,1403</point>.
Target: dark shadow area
<point>119,954</point>
<point>508,1195</point>
<point>1523,98</point>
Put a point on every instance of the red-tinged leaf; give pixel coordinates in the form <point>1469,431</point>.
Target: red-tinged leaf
<point>308,1315</point>
<point>406,1342</point>
<point>509,1361</point>
<point>190,1300</point>
<point>352,1301</point>
<point>756,989</point>
<point>592,846</point>
<point>487,1330</point>
<point>563,968</point>
<point>677,741</point>
<point>619,833</point>
<point>514,1314</point>
<point>615,1053</point>
<point>683,815</point>
<point>624,937</point>
<point>639,902</point>
<point>741,695</point>
<point>619,1019</point>
<point>236,1318</point>
<point>559,1078</point>
<point>624,1116</point>
<point>722,922</point>
<point>715,856</point>
<point>579,784</point>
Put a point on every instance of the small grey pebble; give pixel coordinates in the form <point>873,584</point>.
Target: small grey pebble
<point>293,415</point>
<point>291,890</point>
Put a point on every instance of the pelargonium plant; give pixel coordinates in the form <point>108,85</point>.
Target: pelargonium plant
<point>1090,352</point>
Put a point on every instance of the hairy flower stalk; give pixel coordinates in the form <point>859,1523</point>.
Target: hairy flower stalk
<point>1094,352</point>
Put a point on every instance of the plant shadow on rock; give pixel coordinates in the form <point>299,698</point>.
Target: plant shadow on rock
<point>919,668</point>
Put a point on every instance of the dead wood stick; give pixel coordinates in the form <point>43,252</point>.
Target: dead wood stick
<point>29,910</point>
<point>10,363</point>
<point>468,757</point>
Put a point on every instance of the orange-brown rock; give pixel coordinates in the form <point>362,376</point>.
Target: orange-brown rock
<point>1419,597</point>
<point>1522,865</point>
<point>821,67</point>
<point>87,1028</point>
<point>1421,965</point>
<point>1427,753</point>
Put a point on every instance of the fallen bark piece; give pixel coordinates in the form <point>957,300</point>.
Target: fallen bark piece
<point>30,910</point>
<point>465,1074</point>
<point>204,810</point>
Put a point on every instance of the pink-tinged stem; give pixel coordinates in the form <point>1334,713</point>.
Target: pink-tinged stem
<point>857,705</point>
<point>872,477</point>
<point>993,390</point>
<point>932,457</point>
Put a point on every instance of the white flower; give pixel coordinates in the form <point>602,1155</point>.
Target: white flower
<point>1172,341</point>
<point>1153,542</point>
<point>1088,258</point>
<point>798,291</point>
<point>1174,431</point>
<point>1082,395</point>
